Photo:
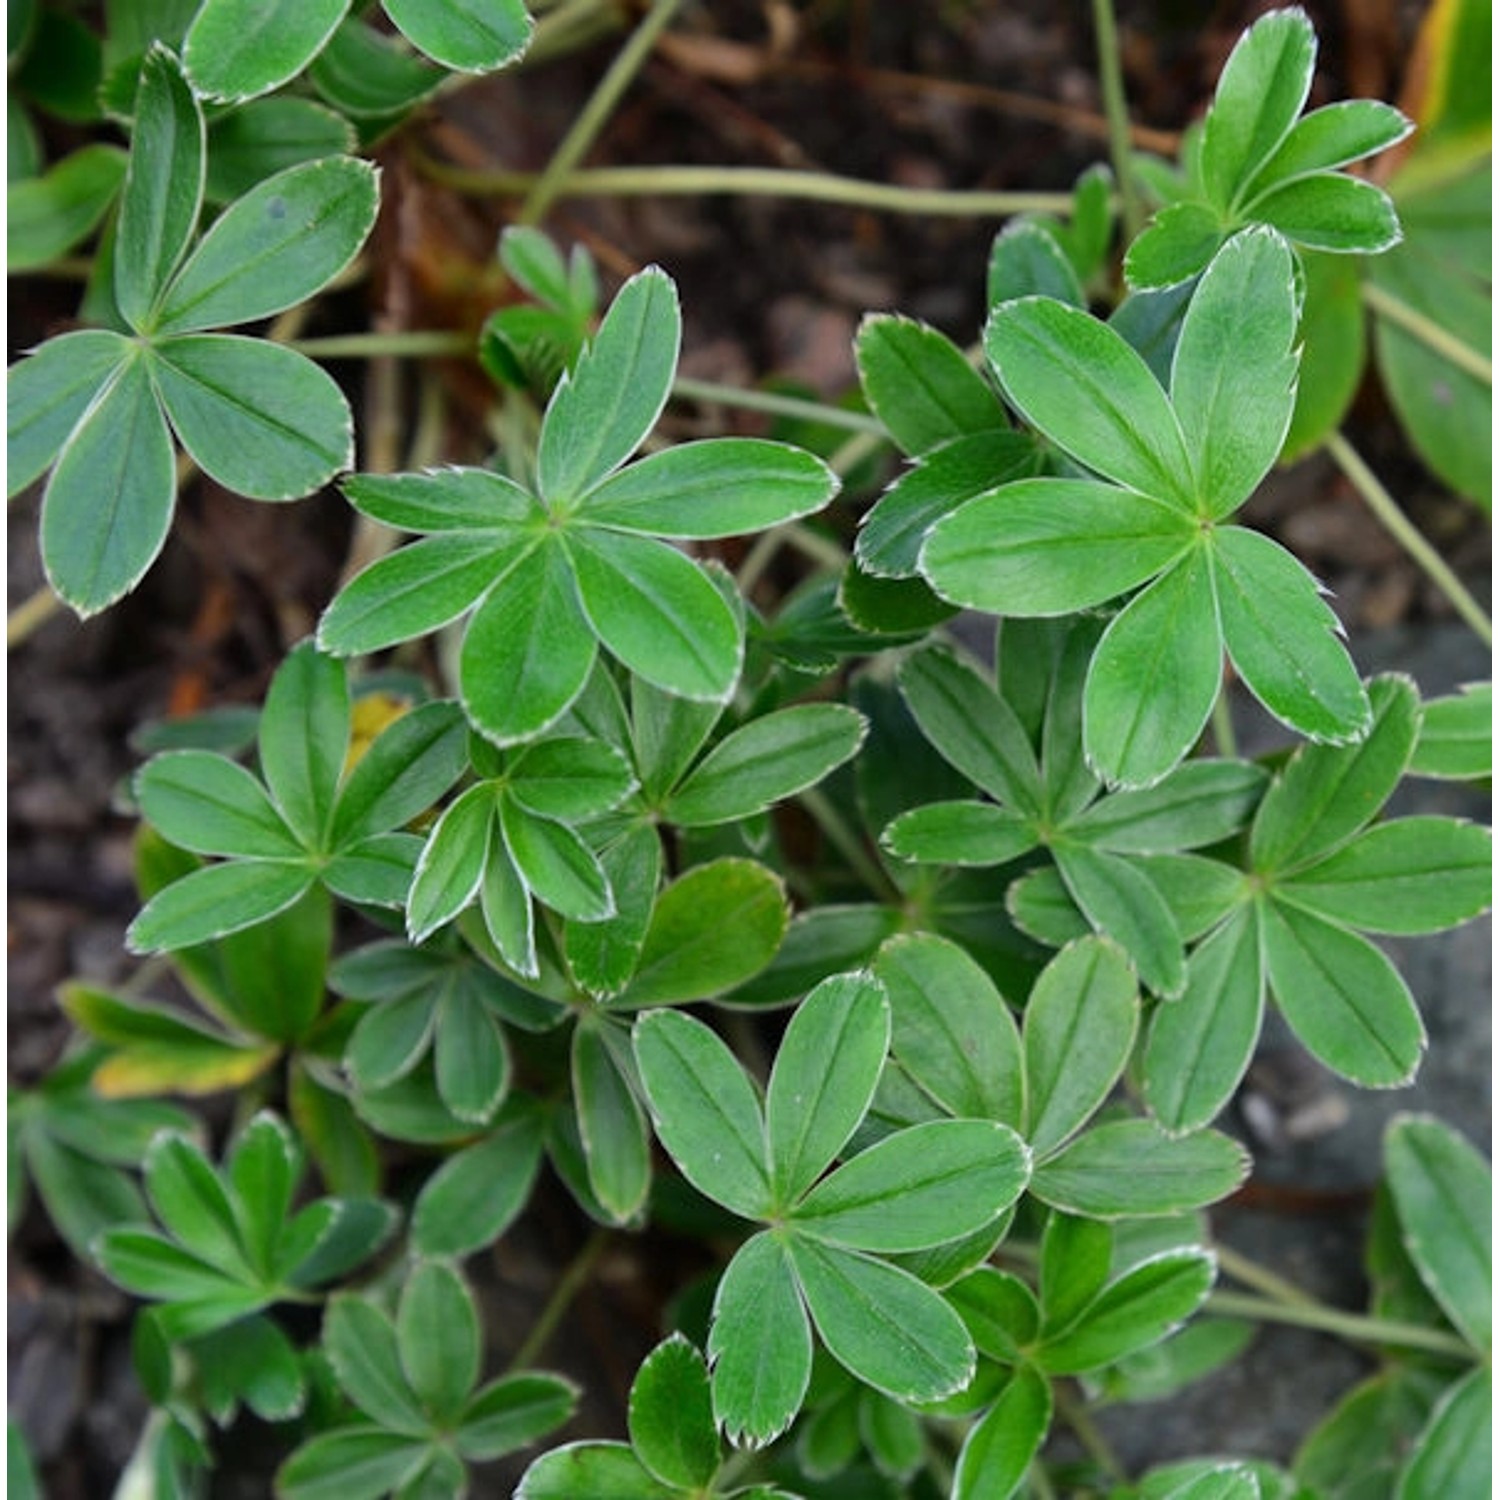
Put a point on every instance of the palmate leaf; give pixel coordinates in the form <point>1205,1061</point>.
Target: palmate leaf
<point>267,136</point>
<point>671,1416</point>
<point>999,1448</point>
<point>1452,1455</point>
<point>1026,260</point>
<point>370,76</point>
<point>47,216</point>
<point>235,50</point>
<point>611,1124</point>
<point>469,36</point>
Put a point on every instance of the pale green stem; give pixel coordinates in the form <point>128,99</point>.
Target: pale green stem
<point>409,344</point>
<point>1418,548</point>
<point>1076,1415</point>
<point>30,615</point>
<point>1040,1480</point>
<point>1352,1326</point>
<point>570,26</point>
<point>773,404</point>
<point>567,1288</point>
<point>1112,85</point>
<point>1252,1274</point>
<point>1434,335</point>
<point>849,844</point>
<point>853,453</point>
<point>591,120</point>
<point>1223,722</point>
<point>764,182</point>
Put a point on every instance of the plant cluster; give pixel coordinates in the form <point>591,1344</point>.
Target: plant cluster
<point>1025,928</point>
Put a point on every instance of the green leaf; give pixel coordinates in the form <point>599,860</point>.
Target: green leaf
<point>1025,261</point>
<point>445,500</point>
<point>236,49</point>
<point>998,1449</point>
<point>1234,373</point>
<point>1332,212</point>
<point>189,1199</point>
<point>1119,900</point>
<point>920,385</point>
<point>897,608</point>
<point>1413,875</point>
<point>350,1463</point>
<point>163,190</point>
<point>528,651</point>
<point>1259,96</point>
<point>470,1200</point>
<point>1456,738</point>
<point>149,1265</point>
<point>604,1471</point>
<point>256,141</point>
<point>304,735</point>
<point>389,1040</point>
<point>672,1417</point>
<point>760,1345</point>
<point>210,805</point>
<point>1326,794</point>
<point>610,1124</point>
<point>817,940</point>
<point>262,420</point>
<point>569,778</point>
<point>505,903</point>
<point>253,1361</point>
<point>511,1412</point>
<point>1440,1185</point>
<point>1137,1310</point>
<point>280,243</point>
<point>1329,138</point>
<point>470,1057</point>
<point>658,613</point>
<point>47,216</point>
<point>1343,998</point>
<point>766,761</point>
<point>1283,639</point>
<point>216,900</point>
<point>1202,802</point>
<point>882,1324</point>
<point>1079,1027</point>
<point>1201,1043</point>
<point>438,1339</point>
<point>1174,247</point>
<point>603,409</point>
<point>826,1069</point>
<point>1453,1455</point>
<point>264,1168</point>
<point>1356,1451</point>
<point>376,871</point>
<point>1086,389</point>
<point>711,930</point>
<point>1154,677</point>
<point>960,833</point>
<point>705,1109</point>
<point>556,864</point>
<point>453,862</point>
<point>109,502</point>
<point>470,36</point>
<point>972,727</point>
<point>47,394</point>
<point>714,488</point>
<point>360,1342</point>
<point>603,955</point>
<point>418,589</point>
<point>1076,1254</point>
<point>1052,546</point>
<point>369,76</point>
<point>891,531</point>
<point>1131,1168</point>
<point>342,1150</point>
<point>921,1187</point>
<point>1333,350</point>
<point>410,765</point>
<point>951,1029</point>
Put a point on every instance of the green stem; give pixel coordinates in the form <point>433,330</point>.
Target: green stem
<point>569,27</point>
<point>585,129</point>
<point>1352,1326</point>
<point>1112,85</point>
<point>849,844</point>
<point>687,389</point>
<point>1250,1273</point>
<point>567,1288</point>
<point>409,344</point>
<point>1418,548</point>
<point>1040,1480</point>
<point>1076,1415</point>
<point>771,182</point>
<point>1434,335</point>
<point>1223,722</point>
<point>846,459</point>
<point>29,615</point>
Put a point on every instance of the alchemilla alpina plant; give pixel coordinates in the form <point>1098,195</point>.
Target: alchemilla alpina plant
<point>956,1193</point>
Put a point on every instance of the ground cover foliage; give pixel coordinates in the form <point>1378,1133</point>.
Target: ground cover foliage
<point>932,1072</point>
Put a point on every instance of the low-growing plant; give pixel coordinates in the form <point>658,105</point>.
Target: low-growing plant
<point>1025,924</point>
